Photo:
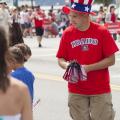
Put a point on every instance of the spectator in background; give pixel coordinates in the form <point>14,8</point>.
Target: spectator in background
<point>51,15</point>
<point>16,35</point>
<point>27,23</point>
<point>15,101</point>
<point>64,23</point>
<point>58,17</point>
<point>51,28</point>
<point>111,17</point>
<point>4,15</point>
<point>22,18</point>
<point>101,16</point>
<point>30,22</point>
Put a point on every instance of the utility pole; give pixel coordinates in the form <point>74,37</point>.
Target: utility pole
<point>32,4</point>
<point>15,3</point>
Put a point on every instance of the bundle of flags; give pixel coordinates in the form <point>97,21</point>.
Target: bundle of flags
<point>75,72</point>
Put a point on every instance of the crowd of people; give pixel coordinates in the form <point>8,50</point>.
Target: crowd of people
<point>26,21</point>
<point>108,16</point>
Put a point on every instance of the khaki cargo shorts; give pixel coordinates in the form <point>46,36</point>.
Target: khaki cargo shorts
<point>91,107</point>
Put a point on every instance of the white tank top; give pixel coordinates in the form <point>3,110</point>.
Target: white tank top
<point>11,117</point>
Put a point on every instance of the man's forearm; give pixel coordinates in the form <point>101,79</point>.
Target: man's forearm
<point>101,64</point>
<point>63,63</point>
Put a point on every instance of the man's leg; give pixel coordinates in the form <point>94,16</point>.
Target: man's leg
<point>39,39</point>
<point>39,33</point>
<point>79,107</point>
<point>101,107</point>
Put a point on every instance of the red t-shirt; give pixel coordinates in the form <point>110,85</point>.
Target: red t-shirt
<point>38,23</point>
<point>39,20</point>
<point>113,17</point>
<point>88,47</point>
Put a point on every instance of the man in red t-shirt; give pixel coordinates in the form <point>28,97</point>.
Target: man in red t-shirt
<point>38,21</point>
<point>93,48</point>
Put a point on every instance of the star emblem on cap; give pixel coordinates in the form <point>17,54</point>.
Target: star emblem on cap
<point>73,5</point>
<point>87,9</point>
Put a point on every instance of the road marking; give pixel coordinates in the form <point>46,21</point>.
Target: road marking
<point>60,79</point>
<point>115,86</point>
<point>115,76</point>
<point>49,77</point>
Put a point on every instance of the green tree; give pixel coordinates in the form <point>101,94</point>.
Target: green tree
<point>105,2</point>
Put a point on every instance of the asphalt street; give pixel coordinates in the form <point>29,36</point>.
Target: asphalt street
<point>51,88</point>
